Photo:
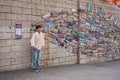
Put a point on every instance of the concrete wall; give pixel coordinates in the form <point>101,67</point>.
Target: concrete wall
<point>16,54</point>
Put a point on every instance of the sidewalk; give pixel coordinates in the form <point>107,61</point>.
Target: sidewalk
<point>101,71</point>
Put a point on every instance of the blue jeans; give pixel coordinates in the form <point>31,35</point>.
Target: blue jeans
<point>35,58</point>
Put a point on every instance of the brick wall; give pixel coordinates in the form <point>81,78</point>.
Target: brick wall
<point>16,54</point>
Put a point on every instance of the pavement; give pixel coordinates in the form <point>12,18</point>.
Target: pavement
<point>96,71</point>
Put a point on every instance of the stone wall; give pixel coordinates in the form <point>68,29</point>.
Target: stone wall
<point>16,54</point>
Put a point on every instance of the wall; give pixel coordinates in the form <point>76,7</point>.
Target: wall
<point>99,32</point>
<point>16,54</point>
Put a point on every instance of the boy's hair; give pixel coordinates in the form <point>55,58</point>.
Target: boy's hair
<point>38,26</point>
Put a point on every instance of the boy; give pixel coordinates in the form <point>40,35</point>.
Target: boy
<point>37,42</point>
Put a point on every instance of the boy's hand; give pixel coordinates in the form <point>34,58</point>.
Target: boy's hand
<point>34,47</point>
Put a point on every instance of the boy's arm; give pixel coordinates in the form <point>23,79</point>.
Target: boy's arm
<point>32,41</point>
<point>43,40</point>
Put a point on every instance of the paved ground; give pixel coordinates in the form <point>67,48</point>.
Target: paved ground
<point>101,71</point>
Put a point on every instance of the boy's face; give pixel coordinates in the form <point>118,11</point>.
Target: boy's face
<point>39,29</point>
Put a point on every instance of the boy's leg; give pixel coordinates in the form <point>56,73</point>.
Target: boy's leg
<point>34,58</point>
<point>38,58</point>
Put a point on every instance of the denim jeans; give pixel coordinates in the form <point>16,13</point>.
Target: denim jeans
<point>36,58</point>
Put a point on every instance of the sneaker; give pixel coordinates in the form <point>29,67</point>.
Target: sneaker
<point>41,70</point>
<point>36,70</point>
